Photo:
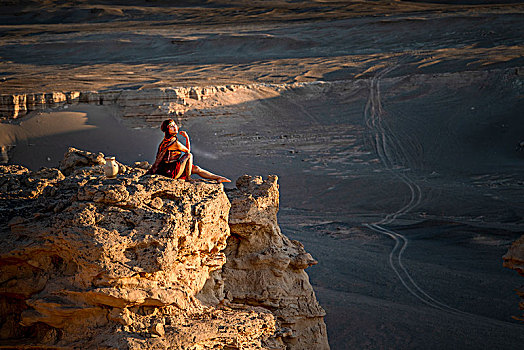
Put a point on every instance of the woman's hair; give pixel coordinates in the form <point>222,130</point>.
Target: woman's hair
<point>165,123</point>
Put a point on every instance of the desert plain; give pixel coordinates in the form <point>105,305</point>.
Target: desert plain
<point>394,128</point>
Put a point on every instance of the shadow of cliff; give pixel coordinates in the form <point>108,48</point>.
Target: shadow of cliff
<point>110,136</point>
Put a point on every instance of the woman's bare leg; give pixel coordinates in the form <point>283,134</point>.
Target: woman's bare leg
<point>183,166</point>
<point>189,167</point>
<point>208,175</point>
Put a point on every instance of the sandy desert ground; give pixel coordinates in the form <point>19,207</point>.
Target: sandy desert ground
<point>392,127</point>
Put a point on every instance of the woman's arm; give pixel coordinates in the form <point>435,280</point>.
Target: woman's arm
<point>177,146</point>
<point>186,136</point>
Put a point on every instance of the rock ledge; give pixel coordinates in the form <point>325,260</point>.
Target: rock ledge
<point>144,261</point>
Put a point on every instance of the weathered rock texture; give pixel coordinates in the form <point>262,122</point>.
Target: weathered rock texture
<point>87,261</point>
<point>148,103</point>
<point>514,259</point>
<point>264,268</point>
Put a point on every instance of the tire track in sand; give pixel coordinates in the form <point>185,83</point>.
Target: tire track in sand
<point>382,139</point>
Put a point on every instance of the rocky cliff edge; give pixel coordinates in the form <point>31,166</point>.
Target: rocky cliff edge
<point>143,261</point>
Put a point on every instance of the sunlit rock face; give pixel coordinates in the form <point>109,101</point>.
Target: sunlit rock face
<point>89,261</point>
<point>265,268</point>
<point>147,103</point>
<point>514,259</point>
<point>139,261</point>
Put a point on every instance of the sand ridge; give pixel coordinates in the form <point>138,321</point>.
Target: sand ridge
<point>53,46</point>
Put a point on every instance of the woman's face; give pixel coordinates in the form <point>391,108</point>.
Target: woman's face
<point>172,128</point>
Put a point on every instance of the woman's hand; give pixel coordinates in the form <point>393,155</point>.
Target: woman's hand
<point>188,145</point>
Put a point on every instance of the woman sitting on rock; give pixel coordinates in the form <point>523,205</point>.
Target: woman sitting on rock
<point>175,160</point>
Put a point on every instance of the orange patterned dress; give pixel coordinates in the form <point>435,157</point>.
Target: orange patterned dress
<point>167,162</point>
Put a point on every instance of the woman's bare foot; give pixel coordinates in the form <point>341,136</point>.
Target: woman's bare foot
<point>221,179</point>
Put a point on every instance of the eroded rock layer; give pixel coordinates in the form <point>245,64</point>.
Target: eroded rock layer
<point>264,268</point>
<point>147,103</point>
<point>115,263</point>
<point>139,262</point>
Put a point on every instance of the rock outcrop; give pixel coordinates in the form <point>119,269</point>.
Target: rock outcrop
<point>514,259</point>
<point>264,268</point>
<point>147,103</point>
<point>147,262</point>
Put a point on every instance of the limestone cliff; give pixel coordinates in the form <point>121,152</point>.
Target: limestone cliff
<point>514,259</point>
<point>147,262</point>
<point>150,104</point>
<point>264,268</point>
